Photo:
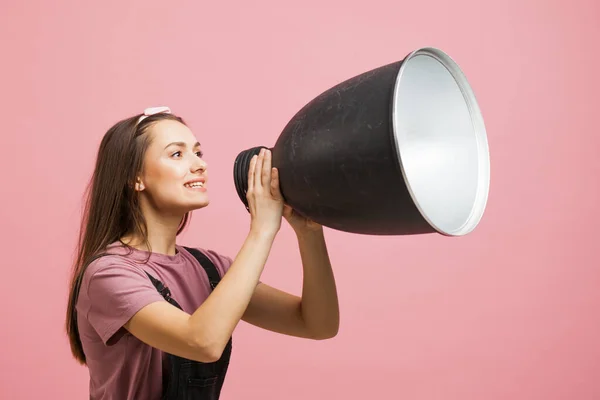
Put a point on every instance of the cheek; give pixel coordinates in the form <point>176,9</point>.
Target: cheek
<point>165,173</point>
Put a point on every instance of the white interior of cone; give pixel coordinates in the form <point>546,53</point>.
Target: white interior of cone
<point>442,143</point>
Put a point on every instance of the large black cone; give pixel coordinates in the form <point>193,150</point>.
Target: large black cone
<point>398,150</point>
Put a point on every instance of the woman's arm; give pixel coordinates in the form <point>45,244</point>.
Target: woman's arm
<point>203,335</point>
<point>316,314</point>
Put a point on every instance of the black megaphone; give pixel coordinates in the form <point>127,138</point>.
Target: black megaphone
<point>398,150</point>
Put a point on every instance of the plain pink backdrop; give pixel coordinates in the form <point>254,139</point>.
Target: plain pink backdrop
<point>509,312</point>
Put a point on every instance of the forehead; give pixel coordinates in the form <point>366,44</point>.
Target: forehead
<point>167,131</point>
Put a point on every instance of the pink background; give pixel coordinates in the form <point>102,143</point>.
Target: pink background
<point>508,312</point>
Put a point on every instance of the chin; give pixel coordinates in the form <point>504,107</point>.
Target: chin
<point>199,205</point>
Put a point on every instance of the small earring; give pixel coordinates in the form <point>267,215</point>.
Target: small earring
<point>139,186</point>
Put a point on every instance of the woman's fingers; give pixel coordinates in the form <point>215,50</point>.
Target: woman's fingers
<point>258,171</point>
<point>262,175</point>
<point>251,170</point>
<point>266,169</point>
<point>275,191</point>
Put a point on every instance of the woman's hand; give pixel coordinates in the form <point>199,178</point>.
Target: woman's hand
<point>299,223</point>
<point>264,197</point>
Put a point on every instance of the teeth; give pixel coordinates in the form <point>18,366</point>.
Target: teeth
<point>195,185</point>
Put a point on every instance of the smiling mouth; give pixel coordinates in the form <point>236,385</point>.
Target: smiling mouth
<point>194,185</point>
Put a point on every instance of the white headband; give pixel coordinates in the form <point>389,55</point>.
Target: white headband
<point>153,110</point>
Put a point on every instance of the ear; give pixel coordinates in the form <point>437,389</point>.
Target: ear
<point>139,185</point>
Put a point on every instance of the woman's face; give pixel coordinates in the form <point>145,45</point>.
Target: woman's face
<point>174,176</point>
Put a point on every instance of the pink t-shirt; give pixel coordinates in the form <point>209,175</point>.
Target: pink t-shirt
<point>113,289</point>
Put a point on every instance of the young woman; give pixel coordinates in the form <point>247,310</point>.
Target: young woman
<point>152,319</point>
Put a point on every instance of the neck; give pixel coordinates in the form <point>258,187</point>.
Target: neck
<point>162,232</point>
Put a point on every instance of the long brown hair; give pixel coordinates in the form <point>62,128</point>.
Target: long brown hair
<point>111,205</point>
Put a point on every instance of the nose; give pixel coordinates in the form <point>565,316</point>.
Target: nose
<point>199,165</point>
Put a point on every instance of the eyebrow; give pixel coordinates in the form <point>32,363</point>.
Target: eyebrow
<point>181,144</point>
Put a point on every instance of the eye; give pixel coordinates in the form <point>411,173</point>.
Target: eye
<point>199,154</point>
<point>177,153</point>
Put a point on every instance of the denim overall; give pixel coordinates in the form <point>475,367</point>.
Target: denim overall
<point>188,379</point>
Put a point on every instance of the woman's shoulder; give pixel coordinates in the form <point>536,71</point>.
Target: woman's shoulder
<point>221,261</point>
<point>209,252</point>
<point>115,259</point>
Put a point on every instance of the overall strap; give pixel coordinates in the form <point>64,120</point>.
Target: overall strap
<point>163,290</point>
<point>213,274</point>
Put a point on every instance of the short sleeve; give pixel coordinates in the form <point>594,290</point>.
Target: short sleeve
<point>115,294</point>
